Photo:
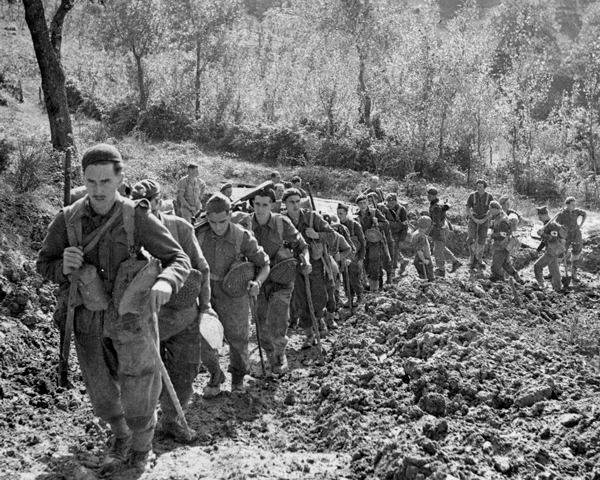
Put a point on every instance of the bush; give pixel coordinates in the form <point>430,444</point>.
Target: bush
<point>35,163</point>
<point>6,148</point>
<point>122,118</point>
<point>162,122</point>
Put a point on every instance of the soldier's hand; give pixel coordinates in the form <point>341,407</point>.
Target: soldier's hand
<point>310,233</point>
<point>253,288</point>
<point>347,262</point>
<point>72,259</point>
<point>425,262</point>
<point>160,294</point>
<point>306,268</point>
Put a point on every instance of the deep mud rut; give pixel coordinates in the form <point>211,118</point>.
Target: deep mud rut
<point>444,380</point>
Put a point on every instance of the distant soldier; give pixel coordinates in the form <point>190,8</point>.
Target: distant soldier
<point>422,261</point>
<point>355,269</point>
<point>439,233</point>
<point>223,245</point>
<point>297,184</point>
<point>277,205</point>
<point>513,216</point>
<point>568,217</point>
<point>477,211</point>
<point>190,190</point>
<point>398,218</point>
<point>275,177</point>
<point>376,229</point>
<point>280,240</point>
<point>227,190</point>
<point>375,188</point>
<point>180,337</point>
<point>315,232</point>
<point>502,232</point>
<point>553,236</point>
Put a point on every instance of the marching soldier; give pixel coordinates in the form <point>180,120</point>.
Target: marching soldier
<point>355,269</point>
<point>439,233</point>
<point>477,211</point>
<point>502,231</point>
<point>224,245</point>
<point>280,241</point>
<point>397,217</point>
<point>569,217</point>
<point>553,236</point>
<point>315,232</point>
<point>190,190</point>
<point>103,233</point>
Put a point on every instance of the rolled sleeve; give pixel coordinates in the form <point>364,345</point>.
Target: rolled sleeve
<point>49,263</point>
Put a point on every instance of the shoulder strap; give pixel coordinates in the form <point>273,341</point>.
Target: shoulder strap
<point>201,236</point>
<point>129,223</point>
<point>239,238</point>
<point>279,223</point>
<point>73,215</point>
<point>312,219</point>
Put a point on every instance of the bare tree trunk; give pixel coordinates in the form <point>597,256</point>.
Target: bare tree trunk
<point>51,71</point>
<point>363,94</point>
<point>592,146</point>
<point>197,80</point>
<point>141,81</point>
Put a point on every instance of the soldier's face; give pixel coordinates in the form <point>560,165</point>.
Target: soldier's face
<point>363,205</point>
<point>219,222</point>
<point>343,214</point>
<point>193,172</point>
<point>228,192</point>
<point>392,203</point>
<point>101,183</point>
<point>262,208</point>
<point>293,204</point>
<point>571,206</point>
<point>279,192</point>
<point>480,188</point>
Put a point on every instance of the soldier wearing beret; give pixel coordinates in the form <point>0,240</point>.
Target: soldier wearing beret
<point>220,245</point>
<point>357,237</point>
<point>227,190</point>
<point>179,328</point>
<point>98,234</point>
<point>440,229</point>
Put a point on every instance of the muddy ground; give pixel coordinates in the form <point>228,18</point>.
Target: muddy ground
<point>445,380</point>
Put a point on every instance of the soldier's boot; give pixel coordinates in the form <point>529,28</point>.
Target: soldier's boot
<point>214,386</point>
<point>373,285</point>
<point>237,383</point>
<point>117,455</point>
<point>389,276</point>
<point>455,266</point>
<point>403,264</point>
<point>176,430</point>
<point>440,272</point>
<point>310,340</point>
<point>280,365</point>
<point>139,459</point>
<point>330,321</point>
<point>574,275</point>
<point>518,278</point>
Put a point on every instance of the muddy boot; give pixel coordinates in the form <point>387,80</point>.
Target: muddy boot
<point>117,455</point>
<point>439,272</point>
<point>373,285</point>
<point>309,341</point>
<point>214,386</point>
<point>237,383</point>
<point>281,365</point>
<point>574,276</point>
<point>455,266</point>
<point>139,460</point>
<point>403,264</point>
<point>518,278</point>
<point>177,431</point>
<point>330,321</point>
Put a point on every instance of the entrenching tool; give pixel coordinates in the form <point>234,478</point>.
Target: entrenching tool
<point>255,318</point>
<point>315,323</point>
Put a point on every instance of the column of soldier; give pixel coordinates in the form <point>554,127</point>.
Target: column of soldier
<point>284,267</point>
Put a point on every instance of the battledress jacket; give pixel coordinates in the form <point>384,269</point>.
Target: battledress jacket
<point>112,249</point>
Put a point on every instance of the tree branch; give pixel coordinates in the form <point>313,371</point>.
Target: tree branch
<point>56,27</point>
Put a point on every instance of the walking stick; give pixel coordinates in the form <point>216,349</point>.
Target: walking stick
<point>315,324</point>
<point>63,361</point>
<point>255,318</point>
<point>166,379</point>
<point>348,288</point>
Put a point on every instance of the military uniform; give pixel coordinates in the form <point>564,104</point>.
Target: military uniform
<point>568,219</point>
<point>398,219</point>
<point>274,299</point>
<point>502,231</point>
<point>477,234</point>
<point>192,190</point>
<point>439,233</point>
<point>340,249</point>
<point>220,252</point>
<point>421,244</point>
<point>354,270</point>
<point>554,235</point>
<point>180,339</point>
<point>116,355</point>
<point>375,257</point>
<point>318,276</point>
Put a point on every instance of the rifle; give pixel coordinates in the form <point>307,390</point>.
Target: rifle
<point>202,222</point>
<point>312,200</point>
<point>315,322</point>
<point>255,318</point>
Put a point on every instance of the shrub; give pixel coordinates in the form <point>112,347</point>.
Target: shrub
<point>162,122</point>
<point>122,118</point>
<point>33,165</point>
<point>6,148</point>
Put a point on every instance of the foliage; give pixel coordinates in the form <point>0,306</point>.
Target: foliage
<point>6,148</point>
<point>34,164</point>
<point>161,122</point>
<point>122,118</point>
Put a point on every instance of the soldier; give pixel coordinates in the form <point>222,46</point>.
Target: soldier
<point>553,236</point>
<point>397,216</point>
<point>279,238</point>
<point>180,337</point>
<point>422,261</point>
<point>297,184</point>
<point>355,269</point>
<point>502,231</point>
<point>513,216</point>
<point>341,251</point>
<point>376,229</point>
<point>275,177</point>
<point>374,188</point>
<point>227,190</point>
<point>568,217</point>
<point>315,232</point>
<point>101,233</point>
<point>190,191</point>
<point>477,211</point>
<point>439,233</point>
<point>222,245</point>
<point>277,205</point>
